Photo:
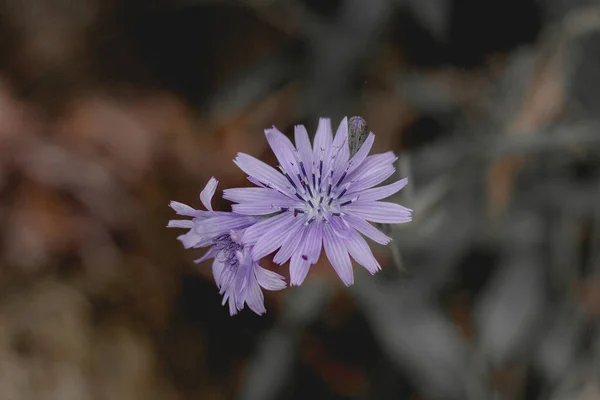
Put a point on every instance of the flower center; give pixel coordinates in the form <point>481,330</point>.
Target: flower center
<point>320,191</point>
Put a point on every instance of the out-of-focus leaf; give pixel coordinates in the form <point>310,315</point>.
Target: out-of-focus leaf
<point>508,314</point>
<point>416,337</point>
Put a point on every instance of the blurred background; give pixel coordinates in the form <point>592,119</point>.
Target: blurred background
<point>110,109</point>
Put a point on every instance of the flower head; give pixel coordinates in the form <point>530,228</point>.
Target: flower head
<point>321,198</point>
<point>238,276</point>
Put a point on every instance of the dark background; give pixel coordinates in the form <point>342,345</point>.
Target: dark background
<point>110,109</point>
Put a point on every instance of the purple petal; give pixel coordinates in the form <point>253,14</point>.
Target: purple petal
<point>256,231</point>
<point>339,228</point>
<point>208,192</point>
<point>361,252</point>
<point>375,169</point>
<point>181,223</point>
<point>323,137</point>
<point>303,146</point>
<point>232,308</point>
<point>184,209</point>
<point>322,143</point>
<point>261,171</point>
<point>252,194</point>
<point>298,269</point>
<point>217,270</point>
<point>374,161</point>
<point>380,211</point>
<point>255,208</point>
<point>190,239</point>
<point>255,181</point>
<point>343,153</point>
<point>254,298</point>
<point>285,152</point>
<point>293,241</point>
<point>372,178</point>
<point>214,226</point>
<point>379,193</point>
<point>313,242</point>
<point>337,254</point>
<point>269,279</point>
<point>367,229</point>
<point>271,241</point>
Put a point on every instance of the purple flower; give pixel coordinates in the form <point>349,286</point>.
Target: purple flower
<point>321,197</point>
<point>238,276</point>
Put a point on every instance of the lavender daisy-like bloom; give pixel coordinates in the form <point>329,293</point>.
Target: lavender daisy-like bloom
<point>238,276</point>
<point>320,198</point>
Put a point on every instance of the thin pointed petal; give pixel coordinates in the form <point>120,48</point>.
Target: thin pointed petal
<point>337,254</point>
<point>379,193</point>
<point>269,279</point>
<point>261,171</point>
<point>298,270</point>
<point>381,212</point>
<point>361,252</point>
<point>367,229</point>
<point>180,223</point>
<point>208,192</point>
<point>256,231</point>
<point>303,146</point>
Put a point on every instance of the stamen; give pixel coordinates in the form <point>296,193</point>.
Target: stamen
<point>330,180</point>
<point>343,176</point>
<point>349,202</point>
<point>344,191</point>
<point>302,168</point>
<point>290,180</point>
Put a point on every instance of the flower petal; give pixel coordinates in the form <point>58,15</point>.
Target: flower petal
<point>184,209</point>
<point>253,194</point>
<point>217,270</point>
<point>322,144</point>
<point>372,169</point>
<point>293,241</point>
<point>254,297</point>
<point>285,152</point>
<point>380,211</point>
<point>215,226</point>
<point>367,229</point>
<point>323,137</point>
<point>313,242</point>
<point>337,254</point>
<point>256,231</point>
<point>190,239</point>
<point>378,193</point>
<point>361,252</point>
<point>303,146</point>
<point>269,279</point>
<point>180,223</point>
<point>261,171</point>
<point>299,267</point>
<point>255,208</point>
<point>208,192</point>
<point>272,240</point>
<point>341,149</point>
